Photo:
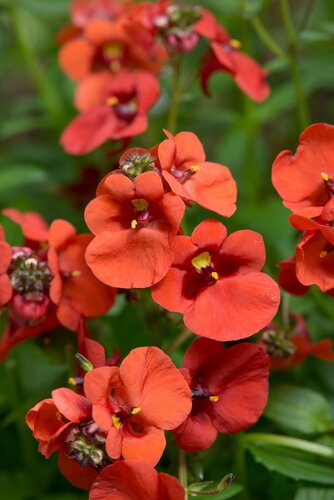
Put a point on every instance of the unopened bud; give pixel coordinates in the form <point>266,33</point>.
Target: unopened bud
<point>84,363</point>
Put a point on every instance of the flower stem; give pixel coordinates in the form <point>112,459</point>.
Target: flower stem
<point>285,310</point>
<point>303,112</point>
<point>267,38</point>
<point>306,16</point>
<point>175,96</point>
<point>183,336</point>
<point>182,469</point>
<point>49,97</point>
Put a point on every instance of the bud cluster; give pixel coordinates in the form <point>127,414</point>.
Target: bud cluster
<point>87,446</point>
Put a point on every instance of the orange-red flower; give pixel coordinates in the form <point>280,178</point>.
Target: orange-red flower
<point>225,56</point>
<point>104,44</point>
<point>305,180</point>
<point>229,391</point>
<point>134,223</point>
<point>129,479</point>
<point>215,281</point>
<point>290,346</point>
<point>183,166</point>
<point>135,403</point>
<point>287,277</point>
<point>64,423</point>
<point>48,283</point>
<point>112,107</point>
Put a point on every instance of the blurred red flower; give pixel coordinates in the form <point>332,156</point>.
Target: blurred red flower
<point>215,281</point>
<point>135,480</point>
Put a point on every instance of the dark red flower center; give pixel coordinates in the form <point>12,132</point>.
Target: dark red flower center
<point>183,175</point>
<point>29,274</point>
<point>200,393</point>
<point>124,416</point>
<point>141,213</point>
<point>124,105</point>
<point>86,445</point>
<point>329,183</point>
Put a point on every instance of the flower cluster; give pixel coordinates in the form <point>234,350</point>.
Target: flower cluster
<point>115,50</point>
<point>46,282</point>
<point>115,429</point>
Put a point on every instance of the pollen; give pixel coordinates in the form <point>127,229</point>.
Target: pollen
<point>194,168</point>
<point>135,411</point>
<point>134,224</point>
<point>202,260</point>
<point>215,275</point>
<point>112,101</point>
<point>140,204</point>
<point>75,274</point>
<point>116,421</point>
<point>325,176</point>
<point>323,254</point>
<point>72,381</point>
<point>214,399</point>
<point>236,44</point>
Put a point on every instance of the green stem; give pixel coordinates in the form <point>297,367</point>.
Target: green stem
<point>285,310</point>
<point>183,336</point>
<point>240,465</point>
<point>291,442</point>
<point>306,16</point>
<point>182,470</point>
<point>267,38</point>
<point>172,116</point>
<point>303,112</point>
<point>50,99</point>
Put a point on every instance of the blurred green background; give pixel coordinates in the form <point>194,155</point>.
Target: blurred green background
<point>35,174</point>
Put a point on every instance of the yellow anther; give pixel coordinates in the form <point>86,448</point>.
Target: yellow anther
<point>194,168</point>
<point>112,101</point>
<point>214,399</point>
<point>201,260</point>
<point>116,421</point>
<point>214,275</point>
<point>236,44</point>
<point>134,224</point>
<point>323,254</point>
<point>59,416</point>
<point>325,176</point>
<point>113,50</point>
<point>140,204</point>
<point>75,274</point>
<point>135,411</point>
<point>72,381</point>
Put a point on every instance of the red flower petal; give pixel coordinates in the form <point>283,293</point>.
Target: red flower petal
<point>80,477</point>
<point>75,58</point>
<point>74,407</point>
<point>147,448</point>
<point>197,433</point>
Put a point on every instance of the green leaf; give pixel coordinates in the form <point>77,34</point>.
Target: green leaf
<point>314,494</point>
<point>13,232</point>
<point>300,410</point>
<point>18,176</point>
<point>293,464</point>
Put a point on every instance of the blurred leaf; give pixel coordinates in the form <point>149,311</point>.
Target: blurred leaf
<point>20,125</point>
<point>252,7</point>
<point>314,494</point>
<point>18,176</point>
<point>299,410</point>
<point>13,231</point>
<point>291,463</point>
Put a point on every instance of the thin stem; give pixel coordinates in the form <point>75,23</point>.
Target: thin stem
<point>182,471</point>
<point>303,112</point>
<point>172,116</point>
<point>183,336</point>
<point>47,92</point>
<point>306,16</point>
<point>267,38</point>
<point>291,442</point>
<point>240,466</point>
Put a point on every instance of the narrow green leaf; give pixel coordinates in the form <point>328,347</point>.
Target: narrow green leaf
<point>314,494</point>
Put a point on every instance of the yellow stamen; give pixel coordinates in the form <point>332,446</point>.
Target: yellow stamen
<point>214,275</point>
<point>140,204</point>
<point>59,416</point>
<point>112,101</point>
<point>236,44</point>
<point>114,49</point>
<point>75,274</point>
<point>116,421</point>
<point>135,411</point>
<point>72,381</point>
<point>134,224</point>
<point>325,176</point>
<point>194,168</point>
<point>323,254</point>
<point>214,399</point>
<point>201,260</point>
